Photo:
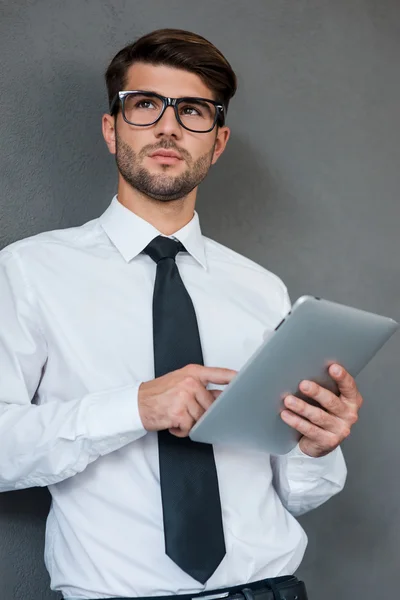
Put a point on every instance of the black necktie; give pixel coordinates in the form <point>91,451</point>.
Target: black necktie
<point>194,537</point>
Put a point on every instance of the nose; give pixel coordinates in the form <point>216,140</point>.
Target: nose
<point>168,125</point>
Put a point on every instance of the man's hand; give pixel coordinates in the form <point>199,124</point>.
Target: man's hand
<point>324,430</point>
<point>177,400</point>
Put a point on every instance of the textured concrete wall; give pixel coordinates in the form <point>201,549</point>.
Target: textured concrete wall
<point>308,187</point>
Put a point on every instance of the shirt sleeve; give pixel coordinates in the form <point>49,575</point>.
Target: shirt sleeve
<point>44,444</point>
<point>304,483</point>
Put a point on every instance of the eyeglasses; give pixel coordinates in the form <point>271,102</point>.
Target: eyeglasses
<point>142,109</point>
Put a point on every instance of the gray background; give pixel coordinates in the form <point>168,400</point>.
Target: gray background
<point>308,187</point>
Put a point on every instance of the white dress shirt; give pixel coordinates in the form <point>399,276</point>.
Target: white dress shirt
<point>75,344</point>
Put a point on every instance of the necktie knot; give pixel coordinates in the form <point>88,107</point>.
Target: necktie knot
<point>163,247</point>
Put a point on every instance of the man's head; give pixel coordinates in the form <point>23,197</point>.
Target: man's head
<point>164,148</point>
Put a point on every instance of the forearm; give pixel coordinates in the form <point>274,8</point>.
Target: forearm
<point>304,483</point>
<point>42,445</point>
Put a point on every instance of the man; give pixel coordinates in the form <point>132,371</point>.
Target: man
<point>122,332</point>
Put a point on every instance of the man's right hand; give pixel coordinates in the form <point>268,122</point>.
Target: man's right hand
<point>177,400</point>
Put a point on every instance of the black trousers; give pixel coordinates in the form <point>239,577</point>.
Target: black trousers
<point>276,588</point>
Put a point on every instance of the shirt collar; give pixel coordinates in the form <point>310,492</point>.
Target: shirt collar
<point>130,234</point>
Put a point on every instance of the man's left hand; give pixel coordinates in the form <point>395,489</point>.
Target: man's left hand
<point>324,430</point>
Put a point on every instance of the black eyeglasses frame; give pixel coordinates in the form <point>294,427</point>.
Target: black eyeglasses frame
<point>174,102</point>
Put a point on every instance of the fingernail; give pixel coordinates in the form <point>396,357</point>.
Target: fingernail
<point>336,371</point>
<point>305,386</point>
<point>291,401</point>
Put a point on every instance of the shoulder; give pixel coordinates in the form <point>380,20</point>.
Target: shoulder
<point>50,243</point>
<point>246,272</point>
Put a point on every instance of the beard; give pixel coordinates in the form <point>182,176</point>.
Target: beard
<point>161,186</point>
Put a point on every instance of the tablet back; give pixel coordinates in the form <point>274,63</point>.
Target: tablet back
<point>315,334</point>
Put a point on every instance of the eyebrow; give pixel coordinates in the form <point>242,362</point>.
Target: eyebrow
<point>153,91</point>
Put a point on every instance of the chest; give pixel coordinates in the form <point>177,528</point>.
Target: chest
<point>99,321</point>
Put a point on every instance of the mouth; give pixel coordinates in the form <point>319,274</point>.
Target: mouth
<point>166,157</point>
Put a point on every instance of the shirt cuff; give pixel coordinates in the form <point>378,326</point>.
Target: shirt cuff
<point>314,466</point>
<point>114,414</point>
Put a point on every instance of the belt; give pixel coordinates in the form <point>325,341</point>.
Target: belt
<point>277,588</point>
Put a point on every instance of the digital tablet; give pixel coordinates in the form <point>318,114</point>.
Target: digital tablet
<point>314,334</point>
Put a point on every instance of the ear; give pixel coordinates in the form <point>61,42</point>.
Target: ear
<point>108,128</point>
<point>223,135</point>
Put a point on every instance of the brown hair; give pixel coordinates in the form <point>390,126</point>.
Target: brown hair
<point>175,48</point>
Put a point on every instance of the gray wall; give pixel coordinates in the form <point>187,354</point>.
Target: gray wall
<point>308,187</point>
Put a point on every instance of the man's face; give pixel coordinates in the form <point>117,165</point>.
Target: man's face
<point>164,178</point>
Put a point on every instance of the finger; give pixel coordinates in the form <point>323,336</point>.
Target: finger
<point>346,384</point>
<point>185,425</point>
<point>208,375</point>
<point>321,437</point>
<point>327,399</point>
<point>195,410</point>
<point>315,415</point>
<point>215,393</point>
<point>178,432</point>
<point>203,396</point>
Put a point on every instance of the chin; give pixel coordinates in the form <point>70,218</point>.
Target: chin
<point>165,168</point>
<point>166,198</point>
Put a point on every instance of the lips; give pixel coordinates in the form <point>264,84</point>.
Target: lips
<point>166,153</point>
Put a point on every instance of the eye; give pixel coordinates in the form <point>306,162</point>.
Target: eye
<point>191,110</point>
<point>144,104</point>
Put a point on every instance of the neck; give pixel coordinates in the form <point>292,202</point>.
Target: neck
<point>167,217</point>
